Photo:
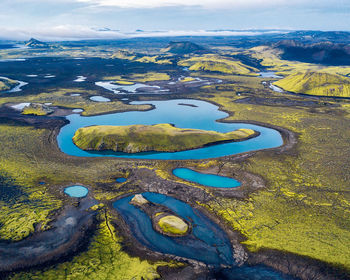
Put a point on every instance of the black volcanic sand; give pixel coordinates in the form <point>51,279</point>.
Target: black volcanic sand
<point>68,232</point>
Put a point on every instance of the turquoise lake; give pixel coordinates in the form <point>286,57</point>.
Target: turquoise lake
<point>208,180</point>
<point>203,116</point>
<point>76,191</point>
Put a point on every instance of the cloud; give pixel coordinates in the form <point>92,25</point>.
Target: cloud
<point>78,32</point>
<point>213,4</point>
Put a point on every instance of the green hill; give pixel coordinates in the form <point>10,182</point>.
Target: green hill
<point>316,83</point>
<point>160,137</point>
<point>184,48</point>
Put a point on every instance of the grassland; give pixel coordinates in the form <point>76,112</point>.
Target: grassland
<point>306,207</point>
<point>316,83</point>
<point>160,137</point>
<point>216,63</point>
<point>141,78</point>
<point>64,98</point>
<point>270,58</point>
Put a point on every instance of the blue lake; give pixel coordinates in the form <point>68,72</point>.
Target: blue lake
<point>203,116</point>
<point>209,180</point>
<point>76,191</point>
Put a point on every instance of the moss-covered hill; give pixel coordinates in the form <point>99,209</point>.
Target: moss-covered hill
<point>316,83</point>
<point>6,84</point>
<point>160,137</point>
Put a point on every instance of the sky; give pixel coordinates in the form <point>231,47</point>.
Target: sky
<point>85,19</point>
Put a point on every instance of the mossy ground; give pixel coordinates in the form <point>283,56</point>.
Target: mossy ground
<point>215,63</point>
<point>160,137</point>
<point>104,259</point>
<point>305,208</point>
<point>173,225</point>
<point>316,83</point>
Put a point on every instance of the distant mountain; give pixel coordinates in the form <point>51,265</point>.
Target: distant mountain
<point>325,52</point>
<point>184,48</point>
<point>34,43</point>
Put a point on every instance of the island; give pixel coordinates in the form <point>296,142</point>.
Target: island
<point>159,138</point>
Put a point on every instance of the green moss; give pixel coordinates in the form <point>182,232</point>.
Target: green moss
<point>305,208</point>
<point>316,83</point>
<point>36,109</point>
<point>173,225</point>
<point>104,259</point>
<point>215,63</point>
<point>160,137</point>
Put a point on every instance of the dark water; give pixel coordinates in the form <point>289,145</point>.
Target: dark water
<point>203,116</point>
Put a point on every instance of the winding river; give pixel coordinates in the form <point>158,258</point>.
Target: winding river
<point>202,115</point>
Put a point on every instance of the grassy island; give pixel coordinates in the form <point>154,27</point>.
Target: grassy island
<point>173,225</point>
<point>160,137</point>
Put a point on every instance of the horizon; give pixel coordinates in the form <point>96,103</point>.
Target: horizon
<point>62,20</point>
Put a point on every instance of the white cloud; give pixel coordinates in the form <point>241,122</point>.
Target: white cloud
<point>216,4</point>
<point>78,32</point>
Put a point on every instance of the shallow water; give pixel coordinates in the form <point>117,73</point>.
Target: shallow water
<point>115,88</point>
<point>209,180</point>
<point>99,99</point>
<point>275,88</point>
<point>269,74</point>
<point>76,191</point>
<point>203,116</point>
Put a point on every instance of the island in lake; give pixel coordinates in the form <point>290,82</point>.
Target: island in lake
<point>159,138</point>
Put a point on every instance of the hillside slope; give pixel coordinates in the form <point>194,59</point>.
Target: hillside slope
<point>316,83</point>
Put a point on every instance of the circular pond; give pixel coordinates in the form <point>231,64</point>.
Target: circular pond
<point>121,180</point>
<point>76,191</point>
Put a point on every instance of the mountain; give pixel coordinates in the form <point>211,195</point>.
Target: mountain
<point>316,83</point>
<point>184,48</point>
<point>34,43</point>
<point>326,52</point>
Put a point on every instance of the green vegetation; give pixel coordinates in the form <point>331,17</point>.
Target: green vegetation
<point>316,83</point>
<point>141,78</point>
<point>127,55</point>
<point>306,206</point>
<point>36,109</point>
<point>270,58</point>
<point>160,137</point>
<point>63,98</point>
<point>216,63</point>
<point>6,84</point>
<point>123,83</point>
<point>187,79</point>
<point>104,259</point>
<point>173,225</point>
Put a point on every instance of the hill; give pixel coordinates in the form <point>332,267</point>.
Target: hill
<point>34,43</point>
<point>184,48</point>
<point>160,137</point>
<point>316,83</point>
<point>325,52</point>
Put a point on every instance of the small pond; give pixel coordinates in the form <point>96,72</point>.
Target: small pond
<point>121,180</point>
<point>76,191</point>
<point>98,98</point>
<point>208,180</point>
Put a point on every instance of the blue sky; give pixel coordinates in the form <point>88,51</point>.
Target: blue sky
<point>75,19</point>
